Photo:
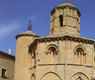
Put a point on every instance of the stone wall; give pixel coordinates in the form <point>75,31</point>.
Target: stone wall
<point>65,62</point>
<point>7,62</point>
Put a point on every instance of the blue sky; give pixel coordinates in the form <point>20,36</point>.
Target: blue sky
<point>14,16</point>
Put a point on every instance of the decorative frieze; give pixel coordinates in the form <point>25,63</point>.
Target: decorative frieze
<point>66,37</point>
<point>62,38</point>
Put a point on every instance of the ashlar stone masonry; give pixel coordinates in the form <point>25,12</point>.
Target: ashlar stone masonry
<point>63,55</point>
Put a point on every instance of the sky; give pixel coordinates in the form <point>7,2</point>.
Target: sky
<point>15,14</point>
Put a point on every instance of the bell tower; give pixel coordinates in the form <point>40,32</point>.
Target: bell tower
<point>65,19</point>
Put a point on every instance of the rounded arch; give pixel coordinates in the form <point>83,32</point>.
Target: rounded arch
<point>80,54</point>
<point>52,49</point>
<point>79,47</point>
<point>52,45</point>
<point>52,75</point>
<point>79,75</point>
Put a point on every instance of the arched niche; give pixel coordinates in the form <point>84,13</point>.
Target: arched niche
<point>50,76</point>
<point>79,76</point>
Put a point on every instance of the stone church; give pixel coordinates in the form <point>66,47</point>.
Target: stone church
<point>63,55</point>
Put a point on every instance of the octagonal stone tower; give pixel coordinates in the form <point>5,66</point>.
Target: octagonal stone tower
<point>65,19</point>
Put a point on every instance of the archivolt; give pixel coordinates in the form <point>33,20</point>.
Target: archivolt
<point>52,73</point>
<point>79,46</point>
<point>79,73</point>
<point>52,45</point>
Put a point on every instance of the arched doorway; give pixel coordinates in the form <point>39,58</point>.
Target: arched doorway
<point>50,76</point>
<point>79,76</point>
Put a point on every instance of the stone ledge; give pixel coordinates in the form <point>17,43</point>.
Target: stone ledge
<point>64,64</point>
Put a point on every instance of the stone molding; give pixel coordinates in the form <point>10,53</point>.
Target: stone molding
<point>79,73</point>
<point>82,47</point>
<point>66,37</point>
<point>67,64</point>
<point>62,38</point>
<point>53,72</point>
<point>66,6</point>
<point>30,35</point>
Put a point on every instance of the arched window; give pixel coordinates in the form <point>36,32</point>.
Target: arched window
<point>80,51</point>
<point>80,54</point>
<point>52,50</point>
<point>51,54</point>
<point>61,20</point>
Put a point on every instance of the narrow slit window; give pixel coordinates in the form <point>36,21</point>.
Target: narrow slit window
<point>4,73</point>
<point>61,20</point>
<point>94,47</point>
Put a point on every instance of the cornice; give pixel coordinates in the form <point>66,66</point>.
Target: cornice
<point>64,7</point>
<point>65,37</point>
<point>20,35</point>
<point>60,38</point>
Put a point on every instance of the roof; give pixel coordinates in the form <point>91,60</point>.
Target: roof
<point>65,4</point>
<point>27,33</point>
<point>6,54</point>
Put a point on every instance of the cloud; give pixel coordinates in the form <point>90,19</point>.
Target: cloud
<point>35,16</point>
<point>6,29</point>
